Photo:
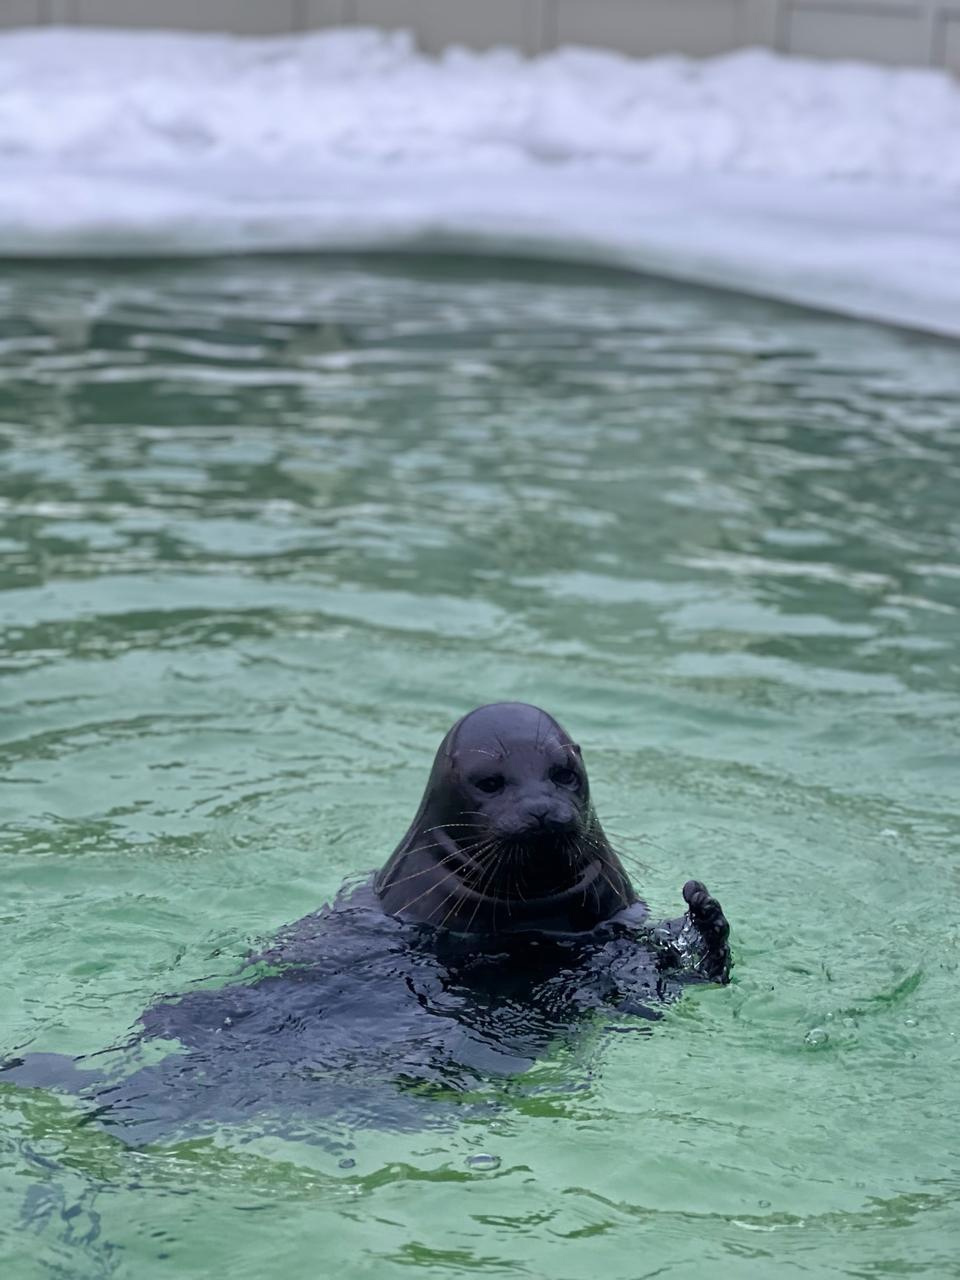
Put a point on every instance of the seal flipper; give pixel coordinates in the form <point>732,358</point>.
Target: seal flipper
<point>707,917</point>
<point>697,944</point>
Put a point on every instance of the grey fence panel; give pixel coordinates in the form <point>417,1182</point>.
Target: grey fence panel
<point>947,40</point>
<point>21,13</point>
<point>691,26</point>
<point>246,17</point>
<point>477,23</point>
<point>325,13</point>
<point>896,31</point>
<point>879,31</point>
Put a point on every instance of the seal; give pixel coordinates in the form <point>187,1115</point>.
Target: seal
<point>506,841</point>
<point>506,838</point>
<point>502,920</point>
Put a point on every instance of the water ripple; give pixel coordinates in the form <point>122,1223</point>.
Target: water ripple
<point>267,527</point>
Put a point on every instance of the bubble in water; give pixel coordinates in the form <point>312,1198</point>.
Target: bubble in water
<point>816,1037</point>
<point>347,1163</point>
<point>483,1161</point>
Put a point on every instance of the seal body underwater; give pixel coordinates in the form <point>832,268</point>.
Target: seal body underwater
<point>500,921</point>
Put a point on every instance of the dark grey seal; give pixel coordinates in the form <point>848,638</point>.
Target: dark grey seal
<point>502,923</point>
<point>506,841</point>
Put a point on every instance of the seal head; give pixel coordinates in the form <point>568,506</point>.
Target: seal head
<point>506,839</point>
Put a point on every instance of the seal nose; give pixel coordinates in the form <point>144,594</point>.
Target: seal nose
<point>539,812</point>
<point>544,815</point>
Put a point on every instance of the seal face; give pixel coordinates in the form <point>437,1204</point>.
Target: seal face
<point>506,839</point>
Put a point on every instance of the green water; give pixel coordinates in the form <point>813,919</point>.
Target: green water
<point>267,528</point>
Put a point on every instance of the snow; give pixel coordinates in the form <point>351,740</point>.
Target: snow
<point>830,184</point>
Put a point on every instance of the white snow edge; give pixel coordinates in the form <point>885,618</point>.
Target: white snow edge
<point>830,185</point>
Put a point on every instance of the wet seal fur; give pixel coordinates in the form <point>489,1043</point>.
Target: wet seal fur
<point>502,919</point>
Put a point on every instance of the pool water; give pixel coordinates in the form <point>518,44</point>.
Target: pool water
<point>268,527</point>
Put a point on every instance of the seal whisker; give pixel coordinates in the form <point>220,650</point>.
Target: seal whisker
<point>579,848</point>
<point>487,866</point>
<point>629,855</point>
<point>604,849</point>
<point>609,883</point>
<point>595,887</point>
<point>454,897</point>
<point>493,918</point>
<point>440,844</point>
<point>605,864</point>
<point>446,876</point>
<point>441,826</point>
<point>521,878</point>
<point>511,862</point>
<point>448,857</point>
<point>614,865</point>
<point>516,880</point>
<point>497,855</point>
<point>430,887</point>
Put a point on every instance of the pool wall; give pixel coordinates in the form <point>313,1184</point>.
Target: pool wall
<point>921,32</point>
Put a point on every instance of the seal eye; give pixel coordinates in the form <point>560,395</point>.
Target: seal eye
<point>564,777</point>
<point>491,784</point>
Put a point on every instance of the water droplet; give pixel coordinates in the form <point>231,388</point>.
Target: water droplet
<point>347,1163</point>
<point>816,1036</point>
<point>483,1161</point>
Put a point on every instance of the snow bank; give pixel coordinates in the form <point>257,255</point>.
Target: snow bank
<point>831,184</point>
